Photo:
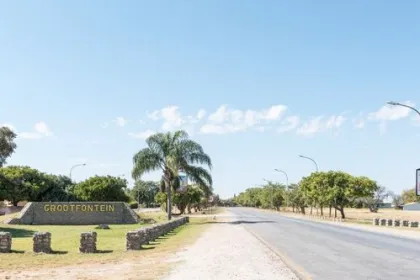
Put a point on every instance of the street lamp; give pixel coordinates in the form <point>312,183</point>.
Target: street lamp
<point>74,166</point>
<point>287,178</point>
<point>393,103</point>
<point>311,159</point>
<point>287,184</point>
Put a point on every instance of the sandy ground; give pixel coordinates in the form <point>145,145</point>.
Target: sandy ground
<point>229,251</point>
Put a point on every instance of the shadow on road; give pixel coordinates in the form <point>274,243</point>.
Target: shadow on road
<point>234,222</point>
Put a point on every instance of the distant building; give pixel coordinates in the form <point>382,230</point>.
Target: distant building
<point>414,206</point>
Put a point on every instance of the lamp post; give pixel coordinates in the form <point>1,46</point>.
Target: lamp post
<point>272,197</point>
<point>74,166</point>
<point>287,185</point>
<point>393,103</point>
<point>316,167</point>
<point>311,159</point>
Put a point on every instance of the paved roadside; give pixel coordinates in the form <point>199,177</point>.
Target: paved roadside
<point>228,251</point>
<point>331,251</point>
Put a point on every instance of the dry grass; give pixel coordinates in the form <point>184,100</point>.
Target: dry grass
<point>366,215</point>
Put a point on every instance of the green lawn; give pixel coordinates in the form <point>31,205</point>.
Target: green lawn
<point>65,243</point>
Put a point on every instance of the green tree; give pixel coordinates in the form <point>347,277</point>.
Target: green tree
<point>7,144</point>
<point>171,152</point>
<point>409,196</point>
<point>144,192</point>
<point>101,188</point>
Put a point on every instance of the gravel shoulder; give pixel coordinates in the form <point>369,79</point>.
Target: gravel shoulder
<point>229,251</point>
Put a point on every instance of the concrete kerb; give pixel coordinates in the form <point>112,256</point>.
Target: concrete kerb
<point>136,238</point>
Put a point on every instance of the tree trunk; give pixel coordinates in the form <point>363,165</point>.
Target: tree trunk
<point>189,208</point>
<point>303,210</point>
<point>342,213</point>
<point>15,203</point>
<point>311,209</point>
<point>322,211</point>
<point>169,200</point>
<point>330,210</point>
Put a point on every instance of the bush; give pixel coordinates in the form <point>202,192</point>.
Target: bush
<point>133,204</point>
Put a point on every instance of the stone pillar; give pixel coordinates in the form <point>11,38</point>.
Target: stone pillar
<point>375,221</point>
<point>397,223</point>
<point>133,240</point>
<point>389,222</point>
<point>42,242</point>
<point>383,222</point>
<point>88,242</point>
<point>5,242</point>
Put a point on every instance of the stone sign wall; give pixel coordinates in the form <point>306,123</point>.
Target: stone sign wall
<point>77,213</point>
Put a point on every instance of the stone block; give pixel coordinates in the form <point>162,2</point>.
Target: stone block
<point>5,242</point>
<point>42,242</point>
<point>405,223</point>
<point>375,221</point>
<point>383,222</point>
<point>390,222</point>
<point>88,242</point>
<point>396,223</point>
<point>414,224</point>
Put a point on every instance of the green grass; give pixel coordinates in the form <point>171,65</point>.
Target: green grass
<point>65,242</point>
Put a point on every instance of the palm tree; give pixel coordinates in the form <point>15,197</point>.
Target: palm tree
<point>171,152</point>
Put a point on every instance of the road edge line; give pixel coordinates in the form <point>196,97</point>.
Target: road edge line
<point>296,269</point>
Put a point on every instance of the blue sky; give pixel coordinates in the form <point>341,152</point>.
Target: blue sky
<point>255,82</point>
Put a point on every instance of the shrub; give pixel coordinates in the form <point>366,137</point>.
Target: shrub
<point>133,204</point>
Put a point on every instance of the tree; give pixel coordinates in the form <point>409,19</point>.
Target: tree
<point>397,200</point>
<point>372,202</point>
<point>144,192</point>
<point>7,144</point>
<point>101,188</point>
<point>171,152</point>
<point>409,196</point>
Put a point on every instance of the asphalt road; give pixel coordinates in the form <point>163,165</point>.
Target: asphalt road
<point>325,251</point>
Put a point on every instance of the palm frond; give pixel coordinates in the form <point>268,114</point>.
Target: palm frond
<point>198,175</point>
<point>144,161</point>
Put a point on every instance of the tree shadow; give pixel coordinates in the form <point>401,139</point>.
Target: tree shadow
<point>250,222</point>
<point>18,232</point>
<point>17,252</point>
<point>233,222</point>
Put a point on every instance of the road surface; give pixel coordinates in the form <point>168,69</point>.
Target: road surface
<point>324,251</point>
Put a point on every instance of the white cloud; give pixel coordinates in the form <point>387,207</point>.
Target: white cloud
<point>274,112</point>
<point>335,121</point>
<point>104,125</point>
<point>154,115</point>
<point>317,124</point>
<point>121,121</point>
<point>311,127</point>
<point>226,120</point>
<point>359,123</point>
<point>201,114</point>
<point>41,131</point>
<point>143,134</point>
<point>289,123</point>
<point>391,113</point>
